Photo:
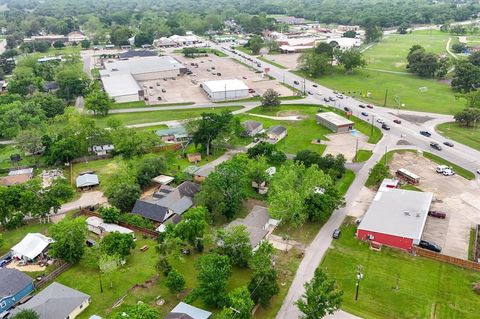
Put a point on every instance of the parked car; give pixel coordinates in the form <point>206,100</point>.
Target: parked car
<point>336,233</point>
<point>448,172</point>
<point>441,168</point>
<point>361,106</point>
<point>385,127</point>
<point>326,99</point>
<point>364,113</point>
<point>449,144</point>
<point>5,261</point>
<point>296,82</point>
<point>426,133</point>
<point>437,214</point>
<point>309,93</point>
<point>381,121</point>
<point>370,106</point>
<point>332,99</point>
<point>315,86</point>
<point>430,246</point>
<point>340,96</point>
<point>397,121</point>
<point>435,146</point>
<point>347,109</point>
<point>478,171</point>
<point>251,91</point>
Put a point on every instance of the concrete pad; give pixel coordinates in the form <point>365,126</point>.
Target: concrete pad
<point>361,204</point>
<point>345,143</point>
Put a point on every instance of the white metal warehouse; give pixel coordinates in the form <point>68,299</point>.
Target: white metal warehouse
<point>120,77</point>
<point>223,90</point>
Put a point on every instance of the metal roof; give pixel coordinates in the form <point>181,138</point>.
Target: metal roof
<point>276,130</point>
<point>120,85</point>
<point>335,119</point>
<point>193,312</point>
<point>225,85</point>
<point>398,212</point>
<point>87,180</point>
<point>32,245</point>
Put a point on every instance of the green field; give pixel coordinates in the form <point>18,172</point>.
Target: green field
<point>458,169</point>
<point>141,104</point>
<point>398,285</point>
<point>158,116</point>
<point>362,156</point>
<point>461,134</point>
<point>13,237</point>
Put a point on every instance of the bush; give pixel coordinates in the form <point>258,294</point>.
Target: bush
<point>109,214</point>
<point>136,220</point>
<point>175,281</point>
<point>377,174</point>
<point>163,265</point>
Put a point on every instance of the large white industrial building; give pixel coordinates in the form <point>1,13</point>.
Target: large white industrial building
<point>223,90</point>
<point>121,78</point>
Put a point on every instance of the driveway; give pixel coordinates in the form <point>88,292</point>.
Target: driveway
<point>87,199</point>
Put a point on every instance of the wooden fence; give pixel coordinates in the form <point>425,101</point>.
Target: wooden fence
<point>467,264</point>
<point>51,276</point>
<point>148,232</point>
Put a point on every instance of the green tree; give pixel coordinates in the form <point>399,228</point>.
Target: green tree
<point>138,311</point>
<point>58,44</point>
<point>349,34</point>
<point>350,59</point>
<point>403,28</point>
<point>468,116</point>
<point>264,283</point>
<point>321,297</point>
<point>119,35</point>
<point>209,127</point>
<point>255,44</point>
<point>109,214</point>
<point>116,243</point>
<point>267,150</point>
<point>225,189</point>
<point>256,171</point>
<point>26,314</point>
<point>315,64</point>
<point>235,243</point>
<point>240,305</point>
<point>213,273</point>
<point>99,102</point>
<point>270,98</point>
<point>123,195</point>
<point>459,47</point>
<point>72,82</point>
<point>142,38</point>
<point>30,141</point>
<point>148,168</point>
<point>69,239</point>
<point>85,44</point>
<point>50,104</point>
<point>108,264</point>
<point>193,225</point>
<point>372,33</point>
<point>175,281</point>
<point>377,174</point>
<point>472,98</point>
<point>466,77</point>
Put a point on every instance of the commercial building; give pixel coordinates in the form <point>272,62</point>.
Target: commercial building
<point>345,43</point>
<point>223,90</point>
<point>121,78</point>
<point>334,122</point>
<point>395,218</point>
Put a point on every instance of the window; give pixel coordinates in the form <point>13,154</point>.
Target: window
<point>3,304</point>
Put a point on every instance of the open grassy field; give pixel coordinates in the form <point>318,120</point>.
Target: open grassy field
<point>158,116</point>
<point>12,237</point>
<point>461,134</point>
<point>362,156</point>
<point>398,285</point>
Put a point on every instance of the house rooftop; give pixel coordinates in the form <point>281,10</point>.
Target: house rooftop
<point>186,311</point>
<point>335,119</point>
<point>86,180</point>
<point>254,222</point>
<point>251,125</point>
<point>276,130</point>
<point>398,212</point>
<point>225,85</point>
<point>12,281</point>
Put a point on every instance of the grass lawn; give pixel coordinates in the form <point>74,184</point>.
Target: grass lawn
<point>362,156</point>
<point>344,183</point>
<point>427,95</point>
<point>458,169</point>
<point>140,104</point>
<point>471,244</point>
<point>411,188</point>
<point>104,168</point>
<point>158,116</point>
<point>5,163</point>
<point>461,134</point>
<point>243,49</point>
<point>301,133</point>
<point>397,285</point>
<point>12,237</point>
<point>261,58</point>
<point>69,49</point>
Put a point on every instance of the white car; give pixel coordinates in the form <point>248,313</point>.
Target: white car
<point>441,168</point>
<point>448,172</point>
<point>478,171</point>
<point>381,121</point>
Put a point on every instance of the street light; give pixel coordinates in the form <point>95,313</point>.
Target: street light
<point>359,277</point>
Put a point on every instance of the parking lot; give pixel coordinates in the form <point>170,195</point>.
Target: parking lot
<point>186,88</point>
<point>454,195</point>
<point>346,144</point>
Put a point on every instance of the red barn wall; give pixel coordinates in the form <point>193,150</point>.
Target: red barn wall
<point>386,239</point>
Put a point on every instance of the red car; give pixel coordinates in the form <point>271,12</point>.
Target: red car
<point>437,214</point>
<point>370,106</point>
<point>397,121</point>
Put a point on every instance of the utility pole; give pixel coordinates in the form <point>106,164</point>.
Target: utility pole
<point>373,121</point>
<point>356,150</point>
<point>385,100</point>
<point>359,277</point>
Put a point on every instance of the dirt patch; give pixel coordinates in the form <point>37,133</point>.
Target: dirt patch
<point>414,118</point>
<point>146,285</point>
<point>346,144</point>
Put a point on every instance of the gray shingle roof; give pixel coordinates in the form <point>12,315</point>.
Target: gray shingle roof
<point>54,302</point>
<point>188,188</point>
<point>150,210</point>
<point>251,125</point>
<point>254,222</point>
<point>12,281</point>
<point>277,130</point>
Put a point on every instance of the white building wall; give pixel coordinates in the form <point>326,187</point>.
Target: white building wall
<point>126,98</point>
<point>157,75</point>
<point>228,95</point>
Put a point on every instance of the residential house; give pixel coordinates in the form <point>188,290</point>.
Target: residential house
<point>56,302</point>
<point>15,285</point>
<point>31,246</point>
<point>167,202</point>
<point>276,133</point>
<point>101,150</point>
<point>87,181</point>
<point>186,311</point>
<point>175,134</point>
<point>258,223</point>
<point>252,128</point>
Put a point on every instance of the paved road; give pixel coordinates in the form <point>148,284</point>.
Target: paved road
<point>409,131</point>
<point>87,199</point>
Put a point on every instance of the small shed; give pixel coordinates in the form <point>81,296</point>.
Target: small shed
<point>194,157</point>
<point>335,122</point>
<point>276,133</point>
<point>163,179</point>
<point>86,181</point>
<point>252,128</point>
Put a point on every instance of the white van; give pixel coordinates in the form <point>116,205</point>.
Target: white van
<point>441,168</point>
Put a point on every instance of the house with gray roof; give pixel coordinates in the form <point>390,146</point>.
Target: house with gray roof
<point>14,286</point>
<point>87,180</point>
<point>186,311</point>
<point>252,128</point>
<point>167,202</point>
<point>258,223</point>
<point>56,302</point>
<point>276,133</point>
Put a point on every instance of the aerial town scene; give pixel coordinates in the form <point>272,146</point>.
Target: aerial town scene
<point>239,159</point>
